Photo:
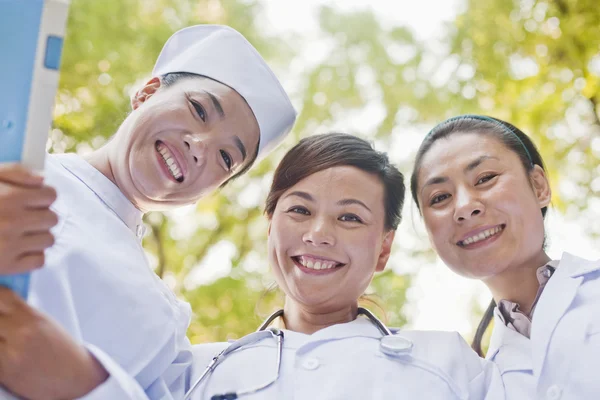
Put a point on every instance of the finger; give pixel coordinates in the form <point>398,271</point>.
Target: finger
<point>29,262</point>
<point>42,197</point>
<point>13,197</point>
<point>9,301</point>
<point>36,221</point>
<point>22,222</point>
<point>35,242</point>
<point>19,175</point>
<point>21,263</point>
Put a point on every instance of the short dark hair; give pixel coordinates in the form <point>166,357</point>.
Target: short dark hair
<point>512,137</point>
<point>321,152</point>
<point>170,79</point>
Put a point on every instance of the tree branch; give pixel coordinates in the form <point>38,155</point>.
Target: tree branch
<point>160,248</point>
<point>562,6</point>
<point>594,102</point>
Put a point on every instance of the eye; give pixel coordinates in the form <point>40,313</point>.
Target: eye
<point>298,210</point>
<point>227,159</point>
<point>199,110</point>
<point>486,178</point>
<point>350,218</point>
<point>439,198</point>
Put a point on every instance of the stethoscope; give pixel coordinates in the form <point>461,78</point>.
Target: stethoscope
<point>389,344</point>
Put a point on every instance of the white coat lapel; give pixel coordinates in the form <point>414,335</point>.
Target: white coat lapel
<point>555,301</point>
<point>510,350</point>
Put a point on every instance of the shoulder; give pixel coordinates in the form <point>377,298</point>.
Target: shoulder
<point>203,353</point>
<point>446,349</point>
<point>573,266</point>
<point>449,356</point>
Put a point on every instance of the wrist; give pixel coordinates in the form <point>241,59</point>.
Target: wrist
<point>93,375</point>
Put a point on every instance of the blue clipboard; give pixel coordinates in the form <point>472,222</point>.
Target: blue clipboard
<point>32,33</point>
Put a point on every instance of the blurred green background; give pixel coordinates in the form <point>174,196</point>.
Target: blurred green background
<point>356,69</point>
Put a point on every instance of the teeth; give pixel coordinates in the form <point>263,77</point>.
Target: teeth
<point>482,235</point>
<point>317,265</point>
<point>169,161</point>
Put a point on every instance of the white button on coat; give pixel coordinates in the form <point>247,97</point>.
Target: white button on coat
<point>553,392</point>
<point>395,345</point>
<point>310,363</point>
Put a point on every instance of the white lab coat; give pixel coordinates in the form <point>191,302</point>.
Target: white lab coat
<point>98,285</point>
<point>562,358</point>
<point>345,362</point>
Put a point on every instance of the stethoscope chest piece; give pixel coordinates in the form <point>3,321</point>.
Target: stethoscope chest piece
<point>394,345</point>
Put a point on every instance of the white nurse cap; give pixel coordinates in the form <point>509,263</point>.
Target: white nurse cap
<point>224,55</point>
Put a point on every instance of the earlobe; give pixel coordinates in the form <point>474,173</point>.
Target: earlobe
<point>541,186</point>
<point>145,93</point>
<point>386,250</point>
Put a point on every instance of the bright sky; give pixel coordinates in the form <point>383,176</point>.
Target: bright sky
<point>439,299</point>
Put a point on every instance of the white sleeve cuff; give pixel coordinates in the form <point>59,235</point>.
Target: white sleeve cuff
<point>118,386</point>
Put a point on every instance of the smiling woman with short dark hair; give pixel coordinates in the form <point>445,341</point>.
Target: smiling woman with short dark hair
<point>482,189</point>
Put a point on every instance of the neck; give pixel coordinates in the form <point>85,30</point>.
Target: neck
<point>301,319</point>
<point>100,160</point>
<point>518,283</point>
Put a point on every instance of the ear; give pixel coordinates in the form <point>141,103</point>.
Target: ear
<point>386,249</point>
<point>269,230</point>
<point>145,92</point>
<point>541,186</point>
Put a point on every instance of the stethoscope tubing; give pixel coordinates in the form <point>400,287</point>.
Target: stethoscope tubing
<point>258,336</point>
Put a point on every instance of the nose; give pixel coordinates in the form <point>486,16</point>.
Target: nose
<point>319,234</point>
<point>197,148</point>
<point>467,206</point>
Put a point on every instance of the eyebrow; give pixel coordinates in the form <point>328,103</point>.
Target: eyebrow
<point>343,202</point>
<point>300,194</point>
<point>240,145</point>
<point>477,162</point>
<point>238,142</point>
<point>216,104</point>
<point>470,167</point>
<point>347,202</point>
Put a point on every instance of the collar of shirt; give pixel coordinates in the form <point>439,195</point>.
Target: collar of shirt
<point>360,327</point>
<point>510,313</point>
<point>106,191</point>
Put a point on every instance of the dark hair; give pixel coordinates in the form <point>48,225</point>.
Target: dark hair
<point>171,79</point>
<point>512,137</point>
<point>321,152</point>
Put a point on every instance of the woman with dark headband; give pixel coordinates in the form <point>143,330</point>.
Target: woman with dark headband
<point>483,192</point>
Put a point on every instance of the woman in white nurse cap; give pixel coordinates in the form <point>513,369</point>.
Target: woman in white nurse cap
<point>212,107</point>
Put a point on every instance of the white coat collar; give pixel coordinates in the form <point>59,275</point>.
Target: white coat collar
<point>510,350</point>
<point>360,327</point>
<point>555,300</point>
<point>105,189</point>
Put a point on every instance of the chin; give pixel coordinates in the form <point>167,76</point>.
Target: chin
<point>479,270</point>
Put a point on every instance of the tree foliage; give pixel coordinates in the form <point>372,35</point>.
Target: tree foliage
<point>110,50</point>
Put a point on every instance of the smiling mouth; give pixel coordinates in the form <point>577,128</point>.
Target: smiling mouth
<point>317,264</point>
<point>481,236</point>
<point>169,160</point>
